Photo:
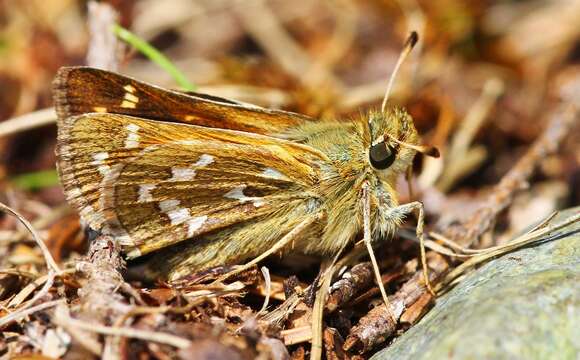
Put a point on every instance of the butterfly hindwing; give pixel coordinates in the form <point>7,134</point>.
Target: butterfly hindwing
<point>80,90</point>
<point>154,184</point>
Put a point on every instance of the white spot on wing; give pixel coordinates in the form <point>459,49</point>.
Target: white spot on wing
<point>167,205</point>
<point>237,193</point>
<point>188,174</point>
<point>204,160</point>
<point>145,193</point>
<point>129,88</point>
<point>176,214</point>
<point>182,174</point>
<point>99,162</point>
<point>274,174</point>
<point>133,127</point>
<point>101,156</point>
<point>132,140</point>
<point>75,192</point>
<point>195,224</point>
<point>258,201</point>
<point>131,98</point>
<point>128,104</point>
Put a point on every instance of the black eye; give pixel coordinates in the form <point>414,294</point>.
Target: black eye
<point>381,156</point>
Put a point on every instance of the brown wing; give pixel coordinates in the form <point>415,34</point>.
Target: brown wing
<point>153,184</point>
<point>81,90</point>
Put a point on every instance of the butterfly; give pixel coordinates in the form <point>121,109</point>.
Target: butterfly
<point>200,181</point>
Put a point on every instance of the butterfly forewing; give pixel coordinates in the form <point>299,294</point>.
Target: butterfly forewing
<point>80,90</point>
<point>154,184</point>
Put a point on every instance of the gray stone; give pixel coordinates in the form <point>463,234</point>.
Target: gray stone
<point>523,305</point>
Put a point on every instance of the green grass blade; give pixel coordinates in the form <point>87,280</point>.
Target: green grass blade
<point>154,55</point>
<point>36,180</point>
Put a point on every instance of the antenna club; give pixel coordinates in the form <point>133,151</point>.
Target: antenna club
<point>433,152</point>
<point>412,39</point>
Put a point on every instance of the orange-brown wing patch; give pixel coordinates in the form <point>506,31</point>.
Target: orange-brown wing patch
<point>80,90</point>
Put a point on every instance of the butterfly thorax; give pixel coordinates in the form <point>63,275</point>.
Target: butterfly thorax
<point>346,144</point>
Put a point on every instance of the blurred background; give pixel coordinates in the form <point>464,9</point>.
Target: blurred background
<point>482,85</point>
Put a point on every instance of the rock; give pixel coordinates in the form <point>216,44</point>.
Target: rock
<point>523,305</point>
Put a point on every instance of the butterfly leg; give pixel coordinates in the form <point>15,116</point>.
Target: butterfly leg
<point>292,236</point>
<point>407,209</point>
<point>368,243</point>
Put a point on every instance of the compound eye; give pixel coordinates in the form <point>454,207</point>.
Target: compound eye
<point>382,156</point>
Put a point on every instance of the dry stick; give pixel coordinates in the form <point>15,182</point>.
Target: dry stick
<point>62,317</point>
<point>28,121</point>
<point>346,14</point>
<point>20,314</point>
<point>50,263</point>
<point>461,157</point>
<point>357,279</point>
<point>377,326</point>
<point>516,179</point>
<point>526,239</point>
<point>287,307</point>
<point>53,268</point>
<point>264,26</point>
<point>102,52</point>
<point>374,327</point>
<point>100,302</point>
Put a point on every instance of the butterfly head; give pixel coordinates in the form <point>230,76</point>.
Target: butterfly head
<point>393,141</point>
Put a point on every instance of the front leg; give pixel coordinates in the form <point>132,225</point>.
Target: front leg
<point>405,209</point>
<point>367,238</point>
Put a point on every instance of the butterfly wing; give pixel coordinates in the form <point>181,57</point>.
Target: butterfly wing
<point>80,90</point>
<point>153,184</point>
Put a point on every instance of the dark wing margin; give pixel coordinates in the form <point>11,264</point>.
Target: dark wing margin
<point>81,90</point>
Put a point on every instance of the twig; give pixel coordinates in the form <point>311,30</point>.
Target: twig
<point>27,121</point>
<point>524,240</point>
<point>29,289</point>
<point>268,282</point>
<point>264,26</point>
<point>459,150</point>
<point>102,52</point>
<point>360,277</point>
<point>377,325</point>
<point>25,312</point>
<point>330,267</point>
<point>100,301</point>
<point>50,263</point>
<point>297,335</point>
<point>318,309</point>
<point>516,179</point>
<point>62,317</point>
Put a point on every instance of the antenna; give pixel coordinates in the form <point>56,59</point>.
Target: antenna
<point>409,44</point>
<point>427,150</point>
